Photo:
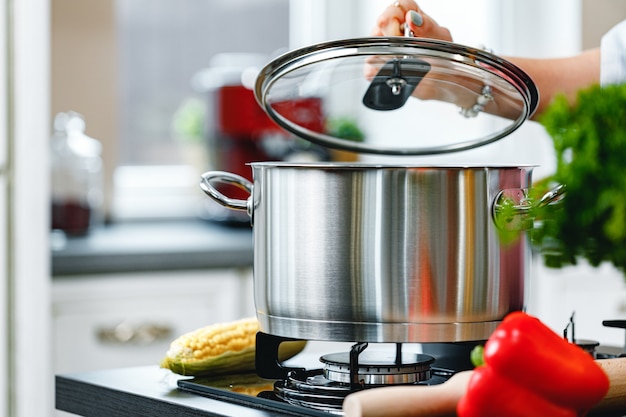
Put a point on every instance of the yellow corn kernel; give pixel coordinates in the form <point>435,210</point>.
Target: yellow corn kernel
<point>214,340</point>
<point>224,348</point>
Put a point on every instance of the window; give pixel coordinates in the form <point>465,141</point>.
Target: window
<point>163,44</point>
<point>165,110</point>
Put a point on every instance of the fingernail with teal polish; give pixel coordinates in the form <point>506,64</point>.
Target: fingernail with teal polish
<point>416,18</point>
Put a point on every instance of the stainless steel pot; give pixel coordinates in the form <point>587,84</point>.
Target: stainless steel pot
<point>389,253</point>
<point>380,253</point>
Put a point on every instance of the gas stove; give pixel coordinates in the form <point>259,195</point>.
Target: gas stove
<point>309,387</point>
<point>315,383</point>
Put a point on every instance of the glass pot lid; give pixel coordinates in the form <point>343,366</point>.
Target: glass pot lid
<point>396,95</point>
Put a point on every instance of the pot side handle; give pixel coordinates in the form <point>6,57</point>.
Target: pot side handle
<point>226,178</point>
<point>513,210</point>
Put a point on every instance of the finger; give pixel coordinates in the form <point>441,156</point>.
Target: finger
<point>405,5</point>
<point>423,26</point>
<point>391,20</point>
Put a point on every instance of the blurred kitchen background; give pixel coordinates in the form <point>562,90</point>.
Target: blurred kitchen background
<point>146,79</point>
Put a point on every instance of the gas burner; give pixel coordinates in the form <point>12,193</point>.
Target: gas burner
<point>347,372</point>
<point>343,373</point>
<point>313,390</point>
<point>378,368</point>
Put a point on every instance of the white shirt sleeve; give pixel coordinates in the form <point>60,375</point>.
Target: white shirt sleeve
<point>613,56</point>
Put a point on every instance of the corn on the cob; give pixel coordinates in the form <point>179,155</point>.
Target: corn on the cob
<point>223,348</point>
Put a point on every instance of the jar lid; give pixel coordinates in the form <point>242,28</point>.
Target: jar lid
<point>396,95</point>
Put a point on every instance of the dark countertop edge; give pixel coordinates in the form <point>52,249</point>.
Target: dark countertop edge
<point>139,392</point>
<point>89,400</point>
<point>153,246</point>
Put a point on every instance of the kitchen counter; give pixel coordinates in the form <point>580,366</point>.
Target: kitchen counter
<point>144,391</point>
<point>140,392</point>
<point>152,246</point>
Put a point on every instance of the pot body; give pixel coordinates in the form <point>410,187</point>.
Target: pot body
<point>376,253</point>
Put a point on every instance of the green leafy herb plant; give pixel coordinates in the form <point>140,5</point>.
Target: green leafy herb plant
<point>590,144</point>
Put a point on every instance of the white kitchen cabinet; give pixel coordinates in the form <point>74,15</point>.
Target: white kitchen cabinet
<point>121,320</point>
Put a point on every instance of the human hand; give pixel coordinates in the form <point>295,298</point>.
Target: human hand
<point>391,22</point>
<point>441,83</point>
<point>401,15</point>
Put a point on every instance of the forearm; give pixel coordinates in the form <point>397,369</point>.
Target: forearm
<point>561,75</point>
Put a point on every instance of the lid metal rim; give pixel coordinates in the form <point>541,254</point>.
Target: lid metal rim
<point>295,59</point>
<point>316,53</point>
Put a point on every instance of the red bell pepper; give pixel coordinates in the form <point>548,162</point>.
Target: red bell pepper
<point>531,371</point>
